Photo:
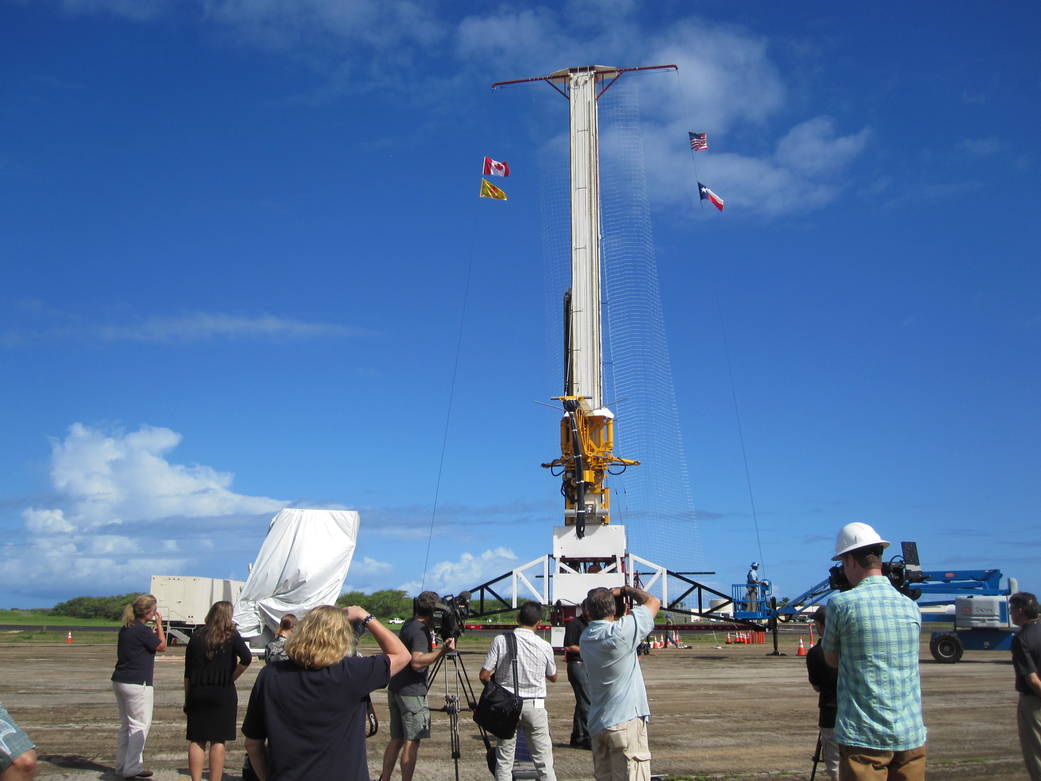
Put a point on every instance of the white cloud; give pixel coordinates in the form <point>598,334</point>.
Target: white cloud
<point>370,566</point>
<point>46,521</point>
<point>188,327</point>
<point>119,477</point>
<point>812,147</point>
<point>725,80</point>
<point>283,23</point>
<point>725,76</point>
<point>986,146</point>
<point>198,326</point>
<point>468,571</point>
<point>102,478</point>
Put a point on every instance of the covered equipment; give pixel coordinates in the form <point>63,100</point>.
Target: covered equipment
<point>302,564</point>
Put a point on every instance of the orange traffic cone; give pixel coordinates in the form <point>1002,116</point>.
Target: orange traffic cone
<point>730,640</point>
<point>802,648</point>
<point>68,639</point>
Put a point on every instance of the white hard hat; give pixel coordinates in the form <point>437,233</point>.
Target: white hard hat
<point>856,535</point>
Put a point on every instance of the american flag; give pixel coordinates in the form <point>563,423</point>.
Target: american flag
<point>698,141</point>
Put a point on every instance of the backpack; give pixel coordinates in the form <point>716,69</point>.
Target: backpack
<point>499,709</point>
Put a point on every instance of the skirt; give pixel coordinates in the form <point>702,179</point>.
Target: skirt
<point>212,712</point>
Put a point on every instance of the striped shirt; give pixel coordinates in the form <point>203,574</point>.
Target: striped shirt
<point>535,662</point>
<point>876,630</point>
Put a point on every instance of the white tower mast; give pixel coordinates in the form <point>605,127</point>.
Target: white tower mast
<point>587,550</point>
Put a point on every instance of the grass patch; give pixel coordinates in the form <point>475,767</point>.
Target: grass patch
<point>44,618</point>
<point>28,636</point>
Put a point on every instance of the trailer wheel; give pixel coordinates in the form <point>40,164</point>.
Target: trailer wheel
<point>946,648</point>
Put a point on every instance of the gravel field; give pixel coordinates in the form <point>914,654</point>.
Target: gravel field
<point>718,712</point>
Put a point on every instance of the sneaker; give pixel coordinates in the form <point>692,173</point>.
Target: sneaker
<point>142,774</point>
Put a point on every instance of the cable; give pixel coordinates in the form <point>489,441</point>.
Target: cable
<point>740,433</point>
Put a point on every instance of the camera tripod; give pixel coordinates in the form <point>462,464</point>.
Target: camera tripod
<point>458,683</point>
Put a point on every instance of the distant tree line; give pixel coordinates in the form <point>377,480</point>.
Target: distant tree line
<point>385,604</point>
<point>110,608</point>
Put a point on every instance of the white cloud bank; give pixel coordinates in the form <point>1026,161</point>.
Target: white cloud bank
<point>107,486</point>
<point>466,572</point>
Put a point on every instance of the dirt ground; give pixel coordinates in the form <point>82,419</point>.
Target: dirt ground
<point>718,712</point>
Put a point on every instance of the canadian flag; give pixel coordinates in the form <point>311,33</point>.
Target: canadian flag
<point>495,168</point>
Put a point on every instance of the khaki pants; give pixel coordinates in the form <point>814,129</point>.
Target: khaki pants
<point>871,764</point>
<point>621,753</point>
<point>1028,716</point>
<point>534,720</point>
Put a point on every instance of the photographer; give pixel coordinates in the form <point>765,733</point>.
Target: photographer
<point>618,709</point>
<point>824,680</point>
<point>407,692</point>
<point>535,665</point>
<point>872,635</point>
<point>311,709</point>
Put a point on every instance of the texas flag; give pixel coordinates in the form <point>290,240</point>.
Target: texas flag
<point>495,168</point>
<point>708,195</point>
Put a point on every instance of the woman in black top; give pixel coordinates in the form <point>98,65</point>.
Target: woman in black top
<point>132,683</point>
<point>215,658</point>
<point>311,708</point>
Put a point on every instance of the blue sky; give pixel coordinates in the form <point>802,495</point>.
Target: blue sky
<point>235,239</point>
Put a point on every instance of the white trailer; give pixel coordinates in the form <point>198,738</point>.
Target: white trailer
<point>183,601</point>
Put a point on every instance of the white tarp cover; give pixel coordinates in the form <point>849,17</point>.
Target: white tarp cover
<point>301,565</point>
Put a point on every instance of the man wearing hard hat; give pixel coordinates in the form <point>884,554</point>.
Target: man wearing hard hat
<point>872,636</point>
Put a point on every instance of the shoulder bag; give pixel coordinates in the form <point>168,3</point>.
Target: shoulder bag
<point>499,709</point>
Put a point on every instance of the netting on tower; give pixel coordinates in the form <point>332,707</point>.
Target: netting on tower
<point>653,500</point>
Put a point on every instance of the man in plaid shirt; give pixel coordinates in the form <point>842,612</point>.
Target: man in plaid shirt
<point>872,636</point>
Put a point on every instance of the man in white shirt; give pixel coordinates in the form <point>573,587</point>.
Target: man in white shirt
<point>535,666</point>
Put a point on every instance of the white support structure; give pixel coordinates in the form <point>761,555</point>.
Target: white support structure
<point>604,544</point>
<point>660,578</point>
<point>518,578</point>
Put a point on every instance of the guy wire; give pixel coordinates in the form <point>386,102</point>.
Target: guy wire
<point>448,413</point>
<point>740,432</point>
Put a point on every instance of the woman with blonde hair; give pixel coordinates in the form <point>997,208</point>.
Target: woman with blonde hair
<point>132,683</point>
<point>311,708</point>
<point>216,656</point>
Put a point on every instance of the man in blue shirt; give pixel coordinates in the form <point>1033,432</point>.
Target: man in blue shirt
<point>872,635</point>
<point>618,708</point>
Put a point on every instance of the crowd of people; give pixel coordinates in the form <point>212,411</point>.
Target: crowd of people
<point>308,709</point>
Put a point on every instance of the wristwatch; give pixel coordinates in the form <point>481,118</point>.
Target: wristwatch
<point>365,621</point>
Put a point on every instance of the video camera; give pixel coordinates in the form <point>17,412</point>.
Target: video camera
<point>902,571</point>
<point>450,614</point>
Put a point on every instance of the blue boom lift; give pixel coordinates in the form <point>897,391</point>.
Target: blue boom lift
<point>981,615</point>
